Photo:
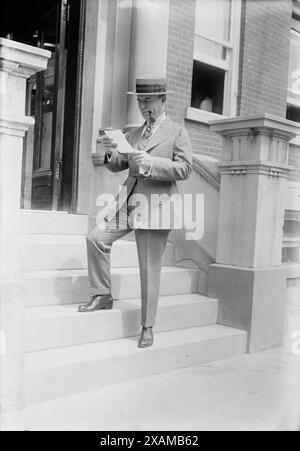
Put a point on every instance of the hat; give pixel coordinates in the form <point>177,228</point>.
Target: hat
<point>150,86</point>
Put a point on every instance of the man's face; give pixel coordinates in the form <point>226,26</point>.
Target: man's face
<point>150,105</point>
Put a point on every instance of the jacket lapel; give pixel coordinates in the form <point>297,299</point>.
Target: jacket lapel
<point>164,131</point>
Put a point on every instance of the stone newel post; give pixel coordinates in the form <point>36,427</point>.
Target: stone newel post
<point>17,63</point>
<point>248,278</point>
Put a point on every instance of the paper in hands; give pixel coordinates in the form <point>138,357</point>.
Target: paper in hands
<point>119,138</point>
<point>123,145</point>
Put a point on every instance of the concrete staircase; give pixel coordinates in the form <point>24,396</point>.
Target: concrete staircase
<point>67,352</point>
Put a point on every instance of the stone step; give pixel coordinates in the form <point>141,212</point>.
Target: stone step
<point>65,371</point>
<point>51,252</point>
<point>41,288</point>
<point>52,223</point>
<point>59,326</point>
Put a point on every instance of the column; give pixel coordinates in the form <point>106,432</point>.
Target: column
<point>248,278</point>
<point>17,63</point>
<point>149,43</point>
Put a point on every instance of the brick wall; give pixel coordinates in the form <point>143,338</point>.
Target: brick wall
<point>180,56</point>
<point>264,57</point>
<point>264,62</point>
<point>263,70</point>
<point>180,72</point>
<point>204,141</point>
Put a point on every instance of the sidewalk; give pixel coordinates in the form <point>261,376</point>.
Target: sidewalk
<point>251,392</point>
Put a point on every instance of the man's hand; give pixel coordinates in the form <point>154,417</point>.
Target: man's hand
<point>143,161</point>
<point>107,144</point>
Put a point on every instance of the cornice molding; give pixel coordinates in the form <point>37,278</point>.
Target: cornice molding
<point>15,126</point>
<point>254,167</point>
<point>255,125</point>
<point>21,59</point>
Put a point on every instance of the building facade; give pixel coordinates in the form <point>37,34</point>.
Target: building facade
<point>233,69</point>
<point>223,52</point>
<point>222,59</point>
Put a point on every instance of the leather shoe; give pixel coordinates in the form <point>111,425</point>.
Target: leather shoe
<point>99,302</point>
<point>146,338</point>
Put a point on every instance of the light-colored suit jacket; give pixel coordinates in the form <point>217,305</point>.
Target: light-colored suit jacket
<point>155,208</point>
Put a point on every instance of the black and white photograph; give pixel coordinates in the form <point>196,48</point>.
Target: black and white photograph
<point>149,218</point>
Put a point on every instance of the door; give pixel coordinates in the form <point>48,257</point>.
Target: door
<point>51,153</point>
<point>47,107</point>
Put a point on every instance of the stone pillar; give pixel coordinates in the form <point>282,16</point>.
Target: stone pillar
<point>149,44</point>
<point>17,63</point>
<point>248,278</point>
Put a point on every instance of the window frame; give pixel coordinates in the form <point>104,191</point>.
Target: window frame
<point>230,67</point>
<point>292,98</point>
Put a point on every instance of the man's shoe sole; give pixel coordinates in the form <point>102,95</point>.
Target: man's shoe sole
<point>140,345</point>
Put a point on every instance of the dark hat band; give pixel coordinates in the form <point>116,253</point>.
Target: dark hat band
<point>147,88</point>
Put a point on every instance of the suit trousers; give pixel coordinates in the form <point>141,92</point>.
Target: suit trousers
<point>150,245</point>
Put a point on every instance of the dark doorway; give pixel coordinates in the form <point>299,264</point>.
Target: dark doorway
<point>53,98</point>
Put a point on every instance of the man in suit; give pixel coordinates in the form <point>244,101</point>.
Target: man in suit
<point>163,156</point>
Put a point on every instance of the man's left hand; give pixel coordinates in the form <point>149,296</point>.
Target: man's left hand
<point>143,161</point>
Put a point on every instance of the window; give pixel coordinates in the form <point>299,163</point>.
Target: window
<point>293,113</point>
<point>214,85</point>
<point>296,9</point>
<point>208,88</point>
<point>293,99</point>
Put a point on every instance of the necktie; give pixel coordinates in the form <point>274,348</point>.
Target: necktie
<point>149,128</point>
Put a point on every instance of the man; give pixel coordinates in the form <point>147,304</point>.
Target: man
<point>163,155</point>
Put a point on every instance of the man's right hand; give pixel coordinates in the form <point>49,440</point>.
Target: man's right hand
<point>108,145</point>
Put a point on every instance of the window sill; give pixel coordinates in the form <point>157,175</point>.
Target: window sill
<point>296,140</point>
<point>196,115</point>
